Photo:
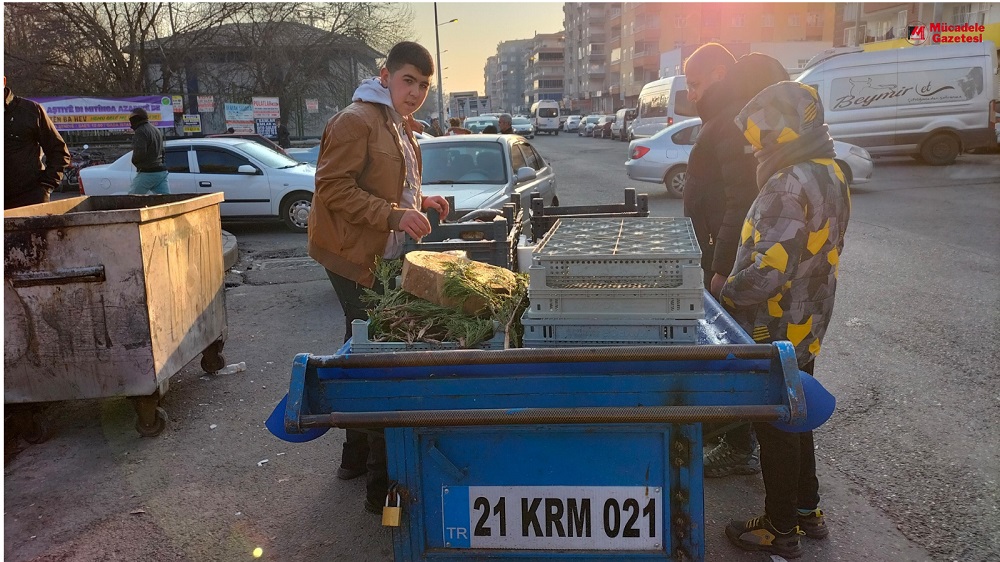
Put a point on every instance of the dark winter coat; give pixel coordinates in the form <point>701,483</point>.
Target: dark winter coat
<point>147,146</point>
<point>721,174</point>
<point>28,132</point>
<point>785,278</point>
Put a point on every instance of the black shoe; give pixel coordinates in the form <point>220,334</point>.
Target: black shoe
<point>760,535</point>
<point>813,524</point>
<point>348,473</point>
<point>373,507</point>
<point>725,460</point>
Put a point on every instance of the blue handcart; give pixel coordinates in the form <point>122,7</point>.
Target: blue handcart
<point>573,453</point>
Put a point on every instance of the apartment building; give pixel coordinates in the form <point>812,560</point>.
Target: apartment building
<point>587,77</point>
<point>505,76</point>
<point>544,68</point>
<point>885,25</point>
<point>649,30</point>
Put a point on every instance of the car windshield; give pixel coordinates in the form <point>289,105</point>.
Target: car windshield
<point>268,157</point>
<point>548,112</point>
<point>593,118</point>
<point>520,121</point>
<point>463,162</point>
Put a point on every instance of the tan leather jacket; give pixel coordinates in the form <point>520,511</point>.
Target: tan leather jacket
<point>359,182</point>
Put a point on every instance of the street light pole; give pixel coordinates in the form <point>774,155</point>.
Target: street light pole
<point>440,73</point>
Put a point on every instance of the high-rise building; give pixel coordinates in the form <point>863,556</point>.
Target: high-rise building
<point>544,70</point>
<point>505,76</point>
<point>586,82</point>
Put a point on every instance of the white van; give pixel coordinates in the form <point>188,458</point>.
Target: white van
<point>933,102</point>
<point>661,104</point>
<point>545,115</point>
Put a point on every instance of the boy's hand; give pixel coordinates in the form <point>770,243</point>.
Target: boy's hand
<point>439,204</point>
<point>415,224</point>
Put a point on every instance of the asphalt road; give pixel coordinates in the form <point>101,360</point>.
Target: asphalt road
<point>908,464</point>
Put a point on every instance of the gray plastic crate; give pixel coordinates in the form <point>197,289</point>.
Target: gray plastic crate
<point>584,331</point>
<point>599,298</point>
<point>638,253</point>
<point>361,344</point>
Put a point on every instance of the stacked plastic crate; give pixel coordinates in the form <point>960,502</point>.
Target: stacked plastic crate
<point>604,282</point>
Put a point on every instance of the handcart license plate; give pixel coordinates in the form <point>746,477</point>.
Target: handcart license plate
<point>553,517</point>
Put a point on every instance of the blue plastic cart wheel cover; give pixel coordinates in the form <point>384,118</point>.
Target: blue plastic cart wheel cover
<point>276,425</point>
<point>819,406</point>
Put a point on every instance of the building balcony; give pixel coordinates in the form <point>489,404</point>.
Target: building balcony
<point>646,59</point>
<point>596,70</point>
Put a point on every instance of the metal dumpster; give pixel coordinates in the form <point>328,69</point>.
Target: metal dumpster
<point>573,453</point>
<point>110,296</point>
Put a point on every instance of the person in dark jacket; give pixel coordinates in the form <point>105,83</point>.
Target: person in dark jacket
<point>783,287</point>
<point>147,156</point>
<point>721,185</point>
<point>506,124</point>
<point>284,136</point>
<point>28,133</point>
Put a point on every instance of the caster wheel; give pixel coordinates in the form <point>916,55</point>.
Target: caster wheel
<point>159,424</point>
<point>212,362</point>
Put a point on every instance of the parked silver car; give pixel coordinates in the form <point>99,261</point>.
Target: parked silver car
<point>662,158</point>
<point>482,171</point>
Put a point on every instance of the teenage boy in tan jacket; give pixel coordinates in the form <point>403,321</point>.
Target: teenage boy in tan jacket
<point>367,196</point>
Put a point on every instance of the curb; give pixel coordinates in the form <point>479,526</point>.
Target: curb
<point>230,251</point>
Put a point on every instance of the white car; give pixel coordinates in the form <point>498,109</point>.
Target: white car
<point>256,181</point>
<point>662,158</point>
<point>483,171</point>
<point>572,123</point>
<point>523,126</point>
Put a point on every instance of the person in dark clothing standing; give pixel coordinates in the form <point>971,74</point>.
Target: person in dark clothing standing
<point>721,186</point>
<point>147,156</point>
<point>28,132</point>
<point>284,136</point>
<point>506,124</point>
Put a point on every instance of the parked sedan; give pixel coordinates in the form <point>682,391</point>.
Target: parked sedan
<point>602,129</point>
<point>523,126</point>
<point>586,128</point>
<point>482,171</point>
<point>572,123</point>
<point>662,158</point>
<point>257,181</point>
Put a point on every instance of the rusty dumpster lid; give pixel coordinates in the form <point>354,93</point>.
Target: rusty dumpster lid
<point>105,209</point>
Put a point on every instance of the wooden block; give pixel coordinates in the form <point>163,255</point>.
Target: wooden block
<point>424,277</point>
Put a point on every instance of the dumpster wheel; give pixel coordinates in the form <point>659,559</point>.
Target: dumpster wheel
<point>212,359</point>
<point>157,427</point>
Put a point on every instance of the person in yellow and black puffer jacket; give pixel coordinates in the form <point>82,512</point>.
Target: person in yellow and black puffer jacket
<point>782,287</point>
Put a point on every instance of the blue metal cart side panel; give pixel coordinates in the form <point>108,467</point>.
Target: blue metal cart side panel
<point>793,382</point>
<point>297,392</point>
<point>428,462</point>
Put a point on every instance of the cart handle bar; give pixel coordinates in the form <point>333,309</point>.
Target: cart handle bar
<point>537,416</point>
<point>546,355</point>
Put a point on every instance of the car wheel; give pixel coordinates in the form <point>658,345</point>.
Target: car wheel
<point>848,173</point>
<point>940,150</point>
<point>675,179</point>
<point>295,209</point>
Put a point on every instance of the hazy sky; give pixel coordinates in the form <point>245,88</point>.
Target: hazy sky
<point>474,37</point>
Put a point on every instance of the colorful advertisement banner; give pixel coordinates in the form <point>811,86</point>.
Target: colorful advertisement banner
<point>206,104</point>
<point>192,123</point>
<point>178,103</point>
<point>312,106</point>
<point>267,127</point>
<point>266,108</point>
<point>105,114</point>
<point>239,116</point>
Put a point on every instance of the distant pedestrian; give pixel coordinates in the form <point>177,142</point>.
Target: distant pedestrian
<point>147,156</point>
<point>436,127</point>
<point>230,131</point>
<point>456,127</point>
<point>506,124</point>
<point>490,130</point>
<point>28,133</point>
<point>284,136</point>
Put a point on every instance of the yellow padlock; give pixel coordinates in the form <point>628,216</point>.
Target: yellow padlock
<point>392,514</point>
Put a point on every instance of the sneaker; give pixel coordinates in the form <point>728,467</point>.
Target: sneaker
<point>350,473</point>
<point>373,507</point>
<point>813,523</point>
<point>759,534</point>
<point>724,460</point>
